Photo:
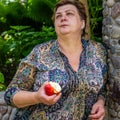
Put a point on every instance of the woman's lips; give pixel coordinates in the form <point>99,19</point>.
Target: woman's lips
<point>64,25</point>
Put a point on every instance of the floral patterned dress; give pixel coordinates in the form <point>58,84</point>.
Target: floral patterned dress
<point>80,89</point>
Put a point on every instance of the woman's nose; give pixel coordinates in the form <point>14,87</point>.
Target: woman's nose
<point>63,18</point>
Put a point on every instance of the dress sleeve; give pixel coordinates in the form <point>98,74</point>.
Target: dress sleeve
<point>24,77</point>
<point>102,53</point>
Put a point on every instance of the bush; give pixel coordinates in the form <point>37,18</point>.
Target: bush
<point>17,43</point>
<point>2,82</point>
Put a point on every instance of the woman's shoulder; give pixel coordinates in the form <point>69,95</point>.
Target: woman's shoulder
<point>98,46</point>
<point>99,49</point>
<point>44,47</point>
<point>45,44</point>
<point>95,43</point>
<point>40,49</point>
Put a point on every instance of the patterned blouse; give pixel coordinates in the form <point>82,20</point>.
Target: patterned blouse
<point>80,89</point>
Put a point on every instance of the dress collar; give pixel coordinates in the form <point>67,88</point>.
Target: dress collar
<point>56,47</point>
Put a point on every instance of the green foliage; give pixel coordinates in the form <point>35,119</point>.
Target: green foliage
<point>2,17</point>
<point>32,13</point>
<point>17,42</point>
<point>41,10</point>
<point>2,80</point>
<point>95,12</point>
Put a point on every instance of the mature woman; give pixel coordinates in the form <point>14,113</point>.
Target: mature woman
<point>78,65</point>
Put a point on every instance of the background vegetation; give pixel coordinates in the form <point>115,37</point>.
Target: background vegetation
<point>25,23</point>
<point>95,14</point>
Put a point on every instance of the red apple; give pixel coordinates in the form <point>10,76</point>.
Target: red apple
<point>52,88</point>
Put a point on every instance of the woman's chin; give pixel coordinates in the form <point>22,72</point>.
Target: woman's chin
<point>65,32</point>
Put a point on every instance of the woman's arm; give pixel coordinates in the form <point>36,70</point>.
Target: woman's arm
<point>23,80</point>
<point>25,98</point>
<point>98,109</point>
<point>20,93</point>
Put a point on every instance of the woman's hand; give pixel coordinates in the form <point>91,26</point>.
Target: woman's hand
<point>41,96</point>
<point>26,98</point>
<point>98,110</point>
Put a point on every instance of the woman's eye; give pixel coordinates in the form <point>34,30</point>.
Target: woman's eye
<point>58,16</point>
<point>69,14</point>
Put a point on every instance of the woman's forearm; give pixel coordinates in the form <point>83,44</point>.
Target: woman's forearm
<point>101,100</point>
<point>25,98</point>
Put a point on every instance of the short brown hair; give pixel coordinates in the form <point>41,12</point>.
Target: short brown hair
<point>80,7</point>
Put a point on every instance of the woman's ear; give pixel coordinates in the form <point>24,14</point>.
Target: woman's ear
<point>83,24</point>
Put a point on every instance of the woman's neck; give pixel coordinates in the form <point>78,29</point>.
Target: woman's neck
<point>70,45</point>
<point>72,49</point>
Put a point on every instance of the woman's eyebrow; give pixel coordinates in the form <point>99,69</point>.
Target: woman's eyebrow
<point>65,11</point>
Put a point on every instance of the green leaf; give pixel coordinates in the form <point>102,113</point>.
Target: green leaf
<point>1,78</point>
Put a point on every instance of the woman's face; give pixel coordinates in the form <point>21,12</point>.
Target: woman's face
<point>67,20</point>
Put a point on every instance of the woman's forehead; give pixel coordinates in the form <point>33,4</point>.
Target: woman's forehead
<point>67,7</point>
